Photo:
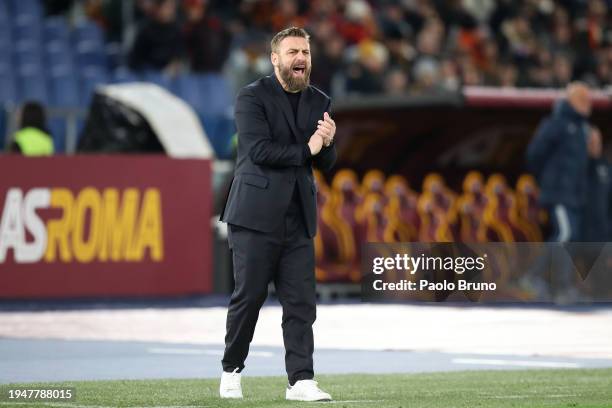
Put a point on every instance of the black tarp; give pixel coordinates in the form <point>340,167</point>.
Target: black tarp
<point>112,127</point>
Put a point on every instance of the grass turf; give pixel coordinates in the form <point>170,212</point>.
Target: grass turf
<point>534,388</point>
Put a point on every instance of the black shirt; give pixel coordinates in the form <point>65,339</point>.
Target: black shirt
<point>295,205</point>
<point>294,100</point>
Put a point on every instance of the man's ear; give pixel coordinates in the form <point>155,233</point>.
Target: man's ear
<point>274,58</point>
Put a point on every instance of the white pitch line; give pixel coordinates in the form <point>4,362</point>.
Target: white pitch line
<point>531,396</point>
<point>155,350</point>
<point>518,363</point>
<point>351,401</point>
<point>209,352</point>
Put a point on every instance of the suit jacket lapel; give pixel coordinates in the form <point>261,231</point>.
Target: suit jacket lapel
<point>281,100</point>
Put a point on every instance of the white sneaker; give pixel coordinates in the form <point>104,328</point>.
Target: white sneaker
<point>306,390</point>
<point>230,385</point>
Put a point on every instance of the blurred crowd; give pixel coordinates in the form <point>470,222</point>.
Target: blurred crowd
<point>367,47</point>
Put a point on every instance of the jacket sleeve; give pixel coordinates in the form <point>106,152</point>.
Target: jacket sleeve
<point>326,158</point>
<point>255,136</point>
<point>542,145</point>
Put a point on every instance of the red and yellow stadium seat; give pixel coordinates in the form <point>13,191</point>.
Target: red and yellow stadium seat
<point>434,226</point>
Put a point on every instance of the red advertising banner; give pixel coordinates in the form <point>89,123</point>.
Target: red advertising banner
<point>104,226</point>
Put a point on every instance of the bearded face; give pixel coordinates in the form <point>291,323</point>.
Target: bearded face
<point>293,63</point>
<point>295,75</point>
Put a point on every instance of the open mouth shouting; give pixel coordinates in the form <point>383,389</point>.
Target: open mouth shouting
<point>299,70</point>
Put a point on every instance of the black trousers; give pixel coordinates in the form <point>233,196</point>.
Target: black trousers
<point>285,256</point>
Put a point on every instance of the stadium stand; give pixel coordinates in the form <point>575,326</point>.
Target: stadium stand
<point>359,47</point>
<point>386,209</point>
<point>57,63</point>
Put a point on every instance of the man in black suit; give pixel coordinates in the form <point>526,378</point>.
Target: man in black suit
<point>284,128</point>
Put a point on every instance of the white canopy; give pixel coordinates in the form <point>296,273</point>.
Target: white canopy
<point>174,122</point>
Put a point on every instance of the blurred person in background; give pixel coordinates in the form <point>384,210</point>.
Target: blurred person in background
<point>206,37</point>
<point>248,62</point>
<point>367,73</point>
<point>426,66</point>
<point>470,75</point>
<point>596,216</point>
<point>562,70</point>
<point>603,74</point>
<point>449,75</point>
<point>328,56</point>
<point>426,73</point>
<point>396,82</point>
<point>287,14</point>
<point>32,138</point>
<point>490,62</point>
<point>507,76</point>
<point>397,34</point>
<point>429,40</point>
<point>558,156</point>
<point>521,41</point>
<point>358,22</point>
<point>159,42</point>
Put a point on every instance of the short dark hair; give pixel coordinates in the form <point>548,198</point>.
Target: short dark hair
<point>287,32</point>
<point>33,115</point>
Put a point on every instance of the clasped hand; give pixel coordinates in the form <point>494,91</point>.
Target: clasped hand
<point>324,135</point>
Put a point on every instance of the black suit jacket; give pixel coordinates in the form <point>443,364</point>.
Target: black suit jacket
<point>273,156</point>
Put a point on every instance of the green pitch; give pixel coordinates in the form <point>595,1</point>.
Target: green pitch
<point>499,389</point>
